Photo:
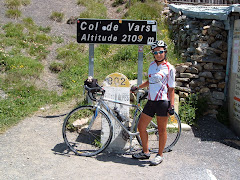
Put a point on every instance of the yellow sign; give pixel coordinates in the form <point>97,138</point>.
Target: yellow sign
<point>116,80</point>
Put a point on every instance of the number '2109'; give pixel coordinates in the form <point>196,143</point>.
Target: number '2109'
<point>131,38</point>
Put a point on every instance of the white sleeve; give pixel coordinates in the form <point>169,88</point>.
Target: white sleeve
<point>171,77</point>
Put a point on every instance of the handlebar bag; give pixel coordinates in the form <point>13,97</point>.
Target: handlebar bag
<point>91,83</point>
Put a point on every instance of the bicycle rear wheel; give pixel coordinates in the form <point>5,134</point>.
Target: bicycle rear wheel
<point>87,131</point>
<point>173,133</point>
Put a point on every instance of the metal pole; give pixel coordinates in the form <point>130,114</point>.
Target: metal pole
<point>91,60</point>
<point>140,66</point>
<point>229,56</point>
<point>91,65</point>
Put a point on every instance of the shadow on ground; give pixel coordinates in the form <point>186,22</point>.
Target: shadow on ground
<point>122,159</point>
<point>209,129</point>
<point>62,149</point>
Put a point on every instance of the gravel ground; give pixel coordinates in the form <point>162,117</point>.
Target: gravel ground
<point>34,149</point>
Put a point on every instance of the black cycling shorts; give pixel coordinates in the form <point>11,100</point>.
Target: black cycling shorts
<point>160,108</point>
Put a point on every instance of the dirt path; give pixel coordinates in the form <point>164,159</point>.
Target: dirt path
<point>34,149</point>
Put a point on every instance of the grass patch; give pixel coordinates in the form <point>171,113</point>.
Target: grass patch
<point>94,9</point>
<point>23,46</point>
<point>23,66</point>
<point>13,7</point>
<point>21,101</point>
<point>13,4</point>
<point>57,16</point>
<point>13,13</point>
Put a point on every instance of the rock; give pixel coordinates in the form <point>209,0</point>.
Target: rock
<point>204,32</point>
<point>210,40</point>
<point>221,85</point>
<point>212,85</point>
<point>181,69</point>
<point>195,83</point>
<point>217,67</point>
<point>211,51</point>
<point>179,83</point>
<point>192,70</point>
<point>213,59</point>
<point>206,74</point>
<point>218,95</point>
<point>186,75</point>
<point>215,102</point>
<point>224,55</point>
<point>212,32</point>
<point>198,66</point>
<point>219,75</point>
<point>204,90</point>
<point>215,81</point>
<point>197,58</point>
<point>217,24</point>
<point>183,79</point>
<point>183,94</point>
<point>220,45</point>
<point>206,27</point>
<point>208,66</point>
<point>72,20</point>
<point>188,90</point>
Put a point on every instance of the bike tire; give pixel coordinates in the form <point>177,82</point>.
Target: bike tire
<point>82,139</point>
<point>173,133</point>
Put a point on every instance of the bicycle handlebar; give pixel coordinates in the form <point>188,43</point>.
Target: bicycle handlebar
<point>144,94</point>
<point>93,90</point>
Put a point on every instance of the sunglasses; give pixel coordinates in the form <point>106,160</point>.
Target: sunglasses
<point>160,52</point>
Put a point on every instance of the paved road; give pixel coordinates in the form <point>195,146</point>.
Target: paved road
<point>34,149</point>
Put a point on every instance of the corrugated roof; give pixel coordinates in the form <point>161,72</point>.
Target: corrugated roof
<point>205,12</point>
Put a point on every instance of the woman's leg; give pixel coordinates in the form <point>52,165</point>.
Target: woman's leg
<point>162,131</point>
<point>142,126</point>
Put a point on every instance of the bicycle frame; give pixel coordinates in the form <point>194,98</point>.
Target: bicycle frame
<point>101,104</point>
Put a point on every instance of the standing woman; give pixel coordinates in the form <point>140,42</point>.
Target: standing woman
<point>161,83</point>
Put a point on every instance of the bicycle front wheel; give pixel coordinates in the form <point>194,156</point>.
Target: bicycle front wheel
<point>87,130</point>
<point>173,133</point>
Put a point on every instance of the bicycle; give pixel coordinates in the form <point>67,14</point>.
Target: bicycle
<point>88,130</point>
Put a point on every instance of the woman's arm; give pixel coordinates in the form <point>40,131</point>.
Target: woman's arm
<point>143,85</point>
<point>171,95</point>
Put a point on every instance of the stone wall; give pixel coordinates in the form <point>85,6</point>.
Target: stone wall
<point>203,46</point>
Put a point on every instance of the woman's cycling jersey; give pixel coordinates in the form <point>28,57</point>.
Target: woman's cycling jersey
<point>160,78</point>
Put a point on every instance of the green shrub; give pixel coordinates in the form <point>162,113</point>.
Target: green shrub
<point>56,67</point>
<point>117,3</point>
<point>13,13</point>
<point>13,30</point>
<point>57,16</point>
<point>45,29</point>
<point>12,4</point>
<point>193,108</point>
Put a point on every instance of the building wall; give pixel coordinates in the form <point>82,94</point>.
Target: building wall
<point>234,81</point>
